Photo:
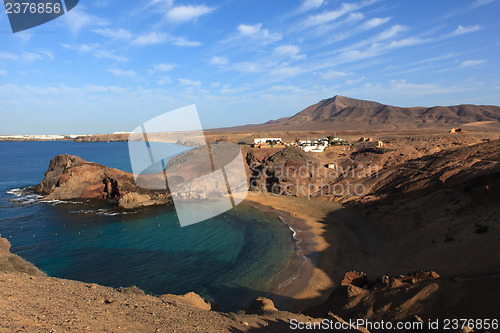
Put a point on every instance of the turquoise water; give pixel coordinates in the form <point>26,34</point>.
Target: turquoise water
<point>229,259</point>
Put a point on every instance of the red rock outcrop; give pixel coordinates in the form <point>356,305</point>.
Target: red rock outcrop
<point>70,177</point>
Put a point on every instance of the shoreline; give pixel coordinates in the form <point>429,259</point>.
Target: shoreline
<point>318,263</point>
<point>295,277</point>
<point>295,293</point>
<point>333,239</point>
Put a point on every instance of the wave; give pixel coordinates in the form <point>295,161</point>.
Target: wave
<point>54,202</point>
<point>107,212</point>
<point>24,196</point>
<point>299,253</point>
<point>102,212</point>
<point>83,211</point>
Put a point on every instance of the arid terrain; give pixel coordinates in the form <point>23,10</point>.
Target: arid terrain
<point>420,201</point>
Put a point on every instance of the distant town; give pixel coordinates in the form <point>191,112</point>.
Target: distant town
<point>314,146</point>
<point>47,137</point>
<point>43,137</point>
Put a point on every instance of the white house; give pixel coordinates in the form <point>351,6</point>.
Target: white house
<point>265,140</point>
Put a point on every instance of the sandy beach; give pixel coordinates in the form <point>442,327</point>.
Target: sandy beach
<point>333,240</point>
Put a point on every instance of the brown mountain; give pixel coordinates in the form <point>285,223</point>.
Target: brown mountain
<point>344,113</point>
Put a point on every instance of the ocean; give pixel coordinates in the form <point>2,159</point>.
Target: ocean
<point>229,259</point>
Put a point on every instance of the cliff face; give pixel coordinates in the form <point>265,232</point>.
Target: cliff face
<point>10,263</point>
<point>70,177</point>
<point>287,172</point>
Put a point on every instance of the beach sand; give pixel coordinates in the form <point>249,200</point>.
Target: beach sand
<point>333,240</point>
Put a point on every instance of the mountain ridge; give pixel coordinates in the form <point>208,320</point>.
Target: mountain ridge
<point>345,113</point>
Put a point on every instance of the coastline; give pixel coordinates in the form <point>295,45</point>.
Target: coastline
<point>312,286</point>
<point>321,264</point>
<point>295,277</point>
<point>332,238</point>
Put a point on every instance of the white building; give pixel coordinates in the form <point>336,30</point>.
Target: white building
<point>315,146</point>
<point>265,140</point>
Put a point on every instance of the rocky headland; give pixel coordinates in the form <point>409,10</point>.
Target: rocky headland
<point>70,177</point>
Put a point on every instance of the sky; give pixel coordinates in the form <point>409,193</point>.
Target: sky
<point>110,65</point>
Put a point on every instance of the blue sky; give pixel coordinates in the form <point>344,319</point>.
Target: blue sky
<point>109,65</point>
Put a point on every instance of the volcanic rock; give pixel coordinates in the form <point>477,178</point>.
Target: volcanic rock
<point>70,177</point>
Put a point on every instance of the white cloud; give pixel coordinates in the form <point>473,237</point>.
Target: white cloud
<point>374,22</point>
<point>121,72</point>
<point>257,33</point>
<point>8,56</point>
<point>338,25</point>
<point>389,33</point>
<point>24,36</point>
<point>32,56</point>
<point>334,75</point>
<point>354,81</point>
<point>384,35</point>
<point>114,33</point>
<point>188,82</point>
<point>95,50</point>
<point>27,56</point>
<point>250,67</point>
<point>151,38</point>
<point>246,29</point>
<point>3,72</point>
<point>167,3</point>
<point>377,49</point>
<point>285,72</point>
<point>464,30</point>
<point>181,41</point>
<point>104,54</point>
<point>355,29</point>
<point>220,61</point>
<point>287,50</point>
<point>291,51</point>
<point>48,54</point>
<point>310,4</point>
<point>81,47</point>
<point>407,90</point>
<point>332,15</point>
<point>164,67</point>
<point>101,3</point>
<point>469,63</point>
<point>182,14</point>
<point>77,19</point>
<point>467,8</point>
<point>479,3</point>
<point>411,41</point>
